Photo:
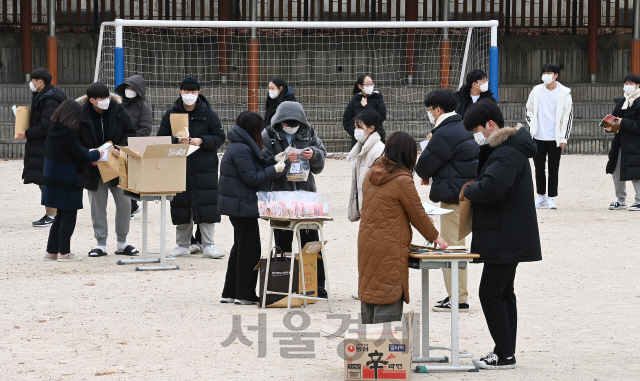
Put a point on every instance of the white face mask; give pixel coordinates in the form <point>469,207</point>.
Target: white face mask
<point>273,94</point>
<point>130,93</point>
<point>359,135</point>
<point>32,87</point>
<point>290,130</point>
<point>484,87</point>
<point>104,104</point>
<point>189,99</point>
<point>628,89</point>
<point>479,138</point>
<point>547,78</point>
<point>432,119</point>
<point>368,90</point>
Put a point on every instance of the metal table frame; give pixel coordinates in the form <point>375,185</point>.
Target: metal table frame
<point>296,226</point>
<point>454,262</point>
<point>145,198</point>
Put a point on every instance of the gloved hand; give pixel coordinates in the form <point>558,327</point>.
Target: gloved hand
<point>280,166</point>
<point>281,156</point>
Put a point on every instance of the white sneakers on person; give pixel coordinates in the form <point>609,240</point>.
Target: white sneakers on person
<point>194,249</point>
<point>541,201</point>
<point>551,204</point>
<point>179,251</point>
<point>227,300</point>
<point>212,252</point>
<point>242,302</point>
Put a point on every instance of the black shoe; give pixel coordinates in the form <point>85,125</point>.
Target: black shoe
<point>446,307</point>
<point>322,293</point>
<point>492,361</point>
<point>135,208</point>
<point>442,302</point>
<point>43,222</point>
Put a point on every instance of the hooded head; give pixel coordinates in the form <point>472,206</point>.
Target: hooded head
<point>136,82</point>
<point>289,111</point>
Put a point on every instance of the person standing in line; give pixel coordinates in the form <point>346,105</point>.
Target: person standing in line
<point>476,87</point>
<point>133,89</point>
<point>45,100</point>
<point>505,225</point>
<point>364,98</point>
<point>624,156</point>
<point>243,172</point>
<point>64,164</point>
<point>198,204</point>
<point>103,120</point>
<point>450,160</point>
<point>550,118</point>
<point>279,92</point>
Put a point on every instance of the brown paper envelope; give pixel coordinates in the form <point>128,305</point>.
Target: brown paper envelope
<point>22,119</point>
<point>178,124</point>
<point>466,215</point>
<point>109,169</point>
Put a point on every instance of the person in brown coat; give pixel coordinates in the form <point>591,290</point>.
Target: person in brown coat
<point>390,206</point>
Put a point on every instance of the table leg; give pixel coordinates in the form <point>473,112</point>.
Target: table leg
<point>266,270</point>
<point>145,249</point>
<point>301,269</point>
<point>163,237</point>
<point>425,355</point>
<point>455,353</point>
<point>326,267</point>
<point>296,232</point>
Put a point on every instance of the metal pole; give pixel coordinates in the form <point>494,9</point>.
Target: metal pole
<point>494,71</point>
<point>594,7</point>
<point>507,18</point>
<point>96,16</point>
<point>167,11</point>
<point>52,44</point>
<point>635,43</point>
<point>445,46</point>
<point>119,57</point>
<point>25,37</point>
<point>253,61</point>
<point>574,17</point>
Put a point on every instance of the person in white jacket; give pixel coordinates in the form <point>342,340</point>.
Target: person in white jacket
<point>550,118</point>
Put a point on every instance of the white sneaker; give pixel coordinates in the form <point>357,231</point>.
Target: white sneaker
<point>212,252</point>
<point>179,251</point>
<point>194,249</point>
<point>551,204</point>
<point>227,300</point>
<point>354,296</point>
<point>241,302</point>
<point>541,200</point>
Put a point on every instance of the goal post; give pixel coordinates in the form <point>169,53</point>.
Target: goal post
<point>234,60</point>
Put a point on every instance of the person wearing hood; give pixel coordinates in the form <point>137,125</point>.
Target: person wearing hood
<point>624,155</point>
<point>290,127</point>
<point>550,117</point>
<point>476,87</point>
<point>64,164</point>
<point>364,98</point>
<point>450,159</point>
<point>198,204</point>
<point>243,172</point>
<point>279,92</point>
<point>505,226</point>
<point>390,206</point>
<point>133,89</point>
<point>46,98</point>
<point>103,120</point>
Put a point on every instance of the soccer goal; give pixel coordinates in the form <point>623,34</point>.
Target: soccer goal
<point>321,61</point>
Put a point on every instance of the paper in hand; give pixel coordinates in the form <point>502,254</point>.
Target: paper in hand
<point>15,110</point>
<point>106,147</point>
<point>423,144</point>
<point>433,210</point>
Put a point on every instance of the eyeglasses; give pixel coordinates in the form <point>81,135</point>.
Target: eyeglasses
<point>367,84</point>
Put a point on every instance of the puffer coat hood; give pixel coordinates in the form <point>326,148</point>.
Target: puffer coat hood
<point>138,109</point>
<point>391,205</point>
<point>136,82</point>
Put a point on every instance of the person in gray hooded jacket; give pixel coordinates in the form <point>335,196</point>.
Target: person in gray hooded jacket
<point>132,92</point>
<point>289,127</point>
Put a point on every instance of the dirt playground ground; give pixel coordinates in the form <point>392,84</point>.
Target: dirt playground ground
<point>94,320</point>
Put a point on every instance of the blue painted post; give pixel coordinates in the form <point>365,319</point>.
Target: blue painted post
<point>119,57</point>
<point>494,71</point>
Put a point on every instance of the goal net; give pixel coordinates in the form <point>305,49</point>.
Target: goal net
<point>320,64</point>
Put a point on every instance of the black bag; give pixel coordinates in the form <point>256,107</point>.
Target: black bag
<point>279,269</point>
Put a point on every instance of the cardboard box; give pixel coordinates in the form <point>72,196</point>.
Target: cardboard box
<point>379,351</point>
<point>122,169</point>
<point>23,116</point>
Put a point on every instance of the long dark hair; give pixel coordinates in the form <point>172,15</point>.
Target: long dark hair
<point>359,81</point>
<point>402,149</point>
<point>371,118</point>
<point>272,104</point>
<point>68,114</point>
<point>253,123</point>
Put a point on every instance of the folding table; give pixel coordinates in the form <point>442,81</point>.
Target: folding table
<point>426,262</point>
<point>295,225</point>
<point>145,198</point>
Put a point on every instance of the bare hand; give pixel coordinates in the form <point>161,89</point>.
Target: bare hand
<point>183,140</point>
<point>114,152</point>
<point>101,151</point>
<point>563,145</point>
<point>307,153</point>
<point>617,121</point>
<point>608,129</point>
<point>293,157</point>
<point>363,102</point>
<point>424,182</point>
<point>462,196</point>
<point>21,135</point>
<point>440,242</point>
<point>195,141</point>
<point>94,163</point>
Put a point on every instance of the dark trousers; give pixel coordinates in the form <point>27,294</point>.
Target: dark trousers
<point>197,238</point>
<point>284,239</point>
<point>241,279</point>
<point>547,148</point>
<point>61,231</point>
<point>498,302</point>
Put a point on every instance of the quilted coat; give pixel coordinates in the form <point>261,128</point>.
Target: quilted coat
<point>390,206</point>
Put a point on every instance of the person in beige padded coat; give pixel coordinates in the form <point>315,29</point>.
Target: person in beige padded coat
<point>390,206</point>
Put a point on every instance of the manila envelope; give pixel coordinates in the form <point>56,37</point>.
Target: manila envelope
<point>466,215</point>
<point>179,125</point>
<point>109,169</point>
<point>22,119</point>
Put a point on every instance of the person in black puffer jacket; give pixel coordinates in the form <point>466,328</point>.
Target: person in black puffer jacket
<point>46,98</point>
<point>450,159</point>
<point>624,156</point>
<point>505,225</point>
<point>364,98</point>
<point>476,87</point>
<point>279,92</point>
<point>198,204</point>
<point>243,172</point>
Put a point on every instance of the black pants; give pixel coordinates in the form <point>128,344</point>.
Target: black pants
<point>284,239</point>
<point>498,302</point>
<point>547,148</point>
<point>241,279</point>
<point>61,231</point>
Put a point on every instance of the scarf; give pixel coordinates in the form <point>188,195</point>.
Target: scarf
<point>630,98</point>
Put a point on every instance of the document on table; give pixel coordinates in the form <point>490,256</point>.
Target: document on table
<point>433,210</point>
